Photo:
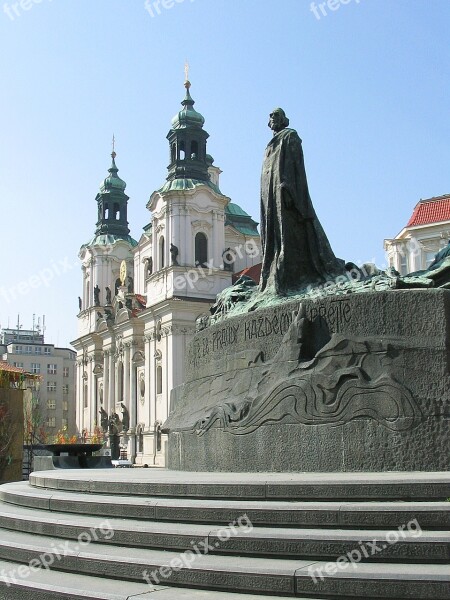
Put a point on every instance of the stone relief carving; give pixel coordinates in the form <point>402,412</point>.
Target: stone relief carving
<point>346,379</point>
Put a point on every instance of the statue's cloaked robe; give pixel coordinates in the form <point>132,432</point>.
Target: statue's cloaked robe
<point>296,251</point>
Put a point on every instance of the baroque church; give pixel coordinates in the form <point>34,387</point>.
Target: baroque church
<point>141,301</point>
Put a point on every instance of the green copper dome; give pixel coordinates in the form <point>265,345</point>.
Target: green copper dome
<point>112,205</point>
<point>113,181</point>
<point>188,116</point>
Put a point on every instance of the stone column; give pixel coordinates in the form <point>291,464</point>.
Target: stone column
<point>213,250</point>
<point>80,391</point>
<point>188,240</point>
<point>106,354</point>
<point>182,228</point>
<point>167,236</point>
<point>133,401</point>
<point>133,388</point>
<point>168,372</point>
<point>150,380</point>
<point>112,382</point>
<point>92,379</point>
<point>126,375</point>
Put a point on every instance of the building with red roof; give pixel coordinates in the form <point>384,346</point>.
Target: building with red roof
<point>425,234</point>
<point>12,376</point>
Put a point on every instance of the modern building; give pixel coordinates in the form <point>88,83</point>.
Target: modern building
<point>427,232</point>
<point>141,299</point>
<point>55,392</point>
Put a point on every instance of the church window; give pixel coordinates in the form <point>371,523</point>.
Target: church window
<point>403,264</point>
<point>201,249</point>
<point>194,149</point>
<point>182,151</point>
<point>162,250</point>
<point>106,211</point>
<point>159,379</point>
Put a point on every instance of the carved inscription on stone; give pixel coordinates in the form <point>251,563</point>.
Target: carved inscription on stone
<point>336,313</point>
<point>236,333</point>
<point>265,326</point>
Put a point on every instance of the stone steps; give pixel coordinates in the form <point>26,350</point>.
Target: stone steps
<point>376,515</point>
<point>405,486</point>
<point>241,574</point>
<point>294,548</point>
<point>321,544</point>
<point>57,585</point>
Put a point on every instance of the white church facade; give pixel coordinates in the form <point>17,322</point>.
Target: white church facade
<point>141,300</point>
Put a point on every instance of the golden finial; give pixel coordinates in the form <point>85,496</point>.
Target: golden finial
<point>114,147</point>
<point>187,83</point>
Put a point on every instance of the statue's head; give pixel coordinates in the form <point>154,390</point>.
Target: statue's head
<point>278,120</point>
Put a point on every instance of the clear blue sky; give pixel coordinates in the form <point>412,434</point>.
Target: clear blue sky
<point>366,86</point>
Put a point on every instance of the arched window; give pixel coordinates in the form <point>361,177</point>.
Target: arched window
<point>116,211</point>
<point>194,149</point>
<point>106,211</point>
<point>159,385</point>
<point>173,152</point>
<point>162,251</point>
<point>182,151</point>
<point>201,249</point>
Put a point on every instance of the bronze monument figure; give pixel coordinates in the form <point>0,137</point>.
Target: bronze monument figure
<point>296,251</point>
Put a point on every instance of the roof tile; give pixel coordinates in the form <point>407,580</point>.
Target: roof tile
<point>433,210</point>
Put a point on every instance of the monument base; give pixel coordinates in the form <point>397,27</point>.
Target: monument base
<point>346,383</point>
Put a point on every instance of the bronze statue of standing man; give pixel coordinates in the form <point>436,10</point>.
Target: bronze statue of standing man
<point>296,251</point>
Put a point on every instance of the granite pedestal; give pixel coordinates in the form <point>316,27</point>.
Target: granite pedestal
<point>357,382</point>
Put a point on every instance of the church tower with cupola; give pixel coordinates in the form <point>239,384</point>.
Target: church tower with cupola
<point>113,205</point>
<point>102,258</point>
<point>134,334</point>
<point>188,216</point>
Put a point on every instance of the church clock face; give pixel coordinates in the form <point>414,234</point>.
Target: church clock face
<point>123,272</point>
